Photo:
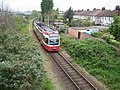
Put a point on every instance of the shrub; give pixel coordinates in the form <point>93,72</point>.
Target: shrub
<point>97,34</point>
<point>114,42</point>
<point>62,30</point>
<point>97,57</point>
<point>74,23</point>
<point>20,64</point>
<point>80,23</point>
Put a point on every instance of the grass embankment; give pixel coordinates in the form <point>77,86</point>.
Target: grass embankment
<point>46,84</point>
<point>97,57</point>
<point>21,64</point>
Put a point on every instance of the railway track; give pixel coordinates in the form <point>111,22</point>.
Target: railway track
<point>78,80</point>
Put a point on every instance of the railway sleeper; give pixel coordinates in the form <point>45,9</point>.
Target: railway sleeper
<point>73,74</point>
<point>69,69</point>
<point>86,87</point>
<point>66,66</point>
<point>63,63</point>
<point>79,80</point>
<point>82,82</point>
<point>76,77</point>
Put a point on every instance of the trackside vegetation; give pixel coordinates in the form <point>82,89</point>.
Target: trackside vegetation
<point>97,57</point>
<point>21,64</point>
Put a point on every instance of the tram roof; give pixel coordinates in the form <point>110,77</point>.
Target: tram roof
<point>46,28</point>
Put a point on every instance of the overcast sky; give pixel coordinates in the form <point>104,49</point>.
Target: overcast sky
<point>29,5</point>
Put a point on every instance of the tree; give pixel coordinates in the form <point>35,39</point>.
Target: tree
<point>115,28</point>
<point>68,16</point>
<point>54,15</point>
<point>94,9</point>
<point>103,8</point>
<point>57,9</point>
<point>34,13</point>
<point>117,7</point>
<point>46,7</point>
<point>88,9</point>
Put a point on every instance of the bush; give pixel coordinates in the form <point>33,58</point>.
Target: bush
<point>114,42</point>
<point>62,31</point>
<point>114,28</point>
<point>97,34</point>
<point>80,23</point>
<point>98,58</point>
<point>110,39</point>
<point>74,23</point>
<point>20,63</point>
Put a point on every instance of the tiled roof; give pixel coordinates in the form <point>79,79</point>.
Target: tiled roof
<point>107,13</point>
<point>87,13</point>
<point>95,13</point>
<point>100,13</point>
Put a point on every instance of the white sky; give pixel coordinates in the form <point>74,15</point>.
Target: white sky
<point>29,5</point>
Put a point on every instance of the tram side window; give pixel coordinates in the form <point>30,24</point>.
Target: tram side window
<point>46,40</point>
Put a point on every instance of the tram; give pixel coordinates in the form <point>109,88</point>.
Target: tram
<point>49,38</point>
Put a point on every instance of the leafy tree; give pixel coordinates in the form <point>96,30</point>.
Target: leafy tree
<point>94,9</point>
<point>103,8</point>
<point>114,29</point>
<point>46,7</point>
<point>88,9</point>
<point>68,16</point>
<point>117,7</point>
<point>54,15</point>
<point>34,13</point>
<point>57,9</point>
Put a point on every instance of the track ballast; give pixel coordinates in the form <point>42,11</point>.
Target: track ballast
<point>79,81</point>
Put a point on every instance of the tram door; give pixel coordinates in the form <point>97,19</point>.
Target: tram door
<point>79,34</point>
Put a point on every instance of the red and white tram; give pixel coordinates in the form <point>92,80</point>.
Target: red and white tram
<point>50,39</point>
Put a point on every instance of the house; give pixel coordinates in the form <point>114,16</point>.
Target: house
<point>97,16</point>
<point>94,16</point>
<point>106,17</point>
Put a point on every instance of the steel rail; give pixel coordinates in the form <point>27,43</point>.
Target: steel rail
<point>77,71</point>
<point>65,72</point>
<point>64,58</point>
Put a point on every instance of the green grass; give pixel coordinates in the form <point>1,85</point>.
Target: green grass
<point>47,84</point>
